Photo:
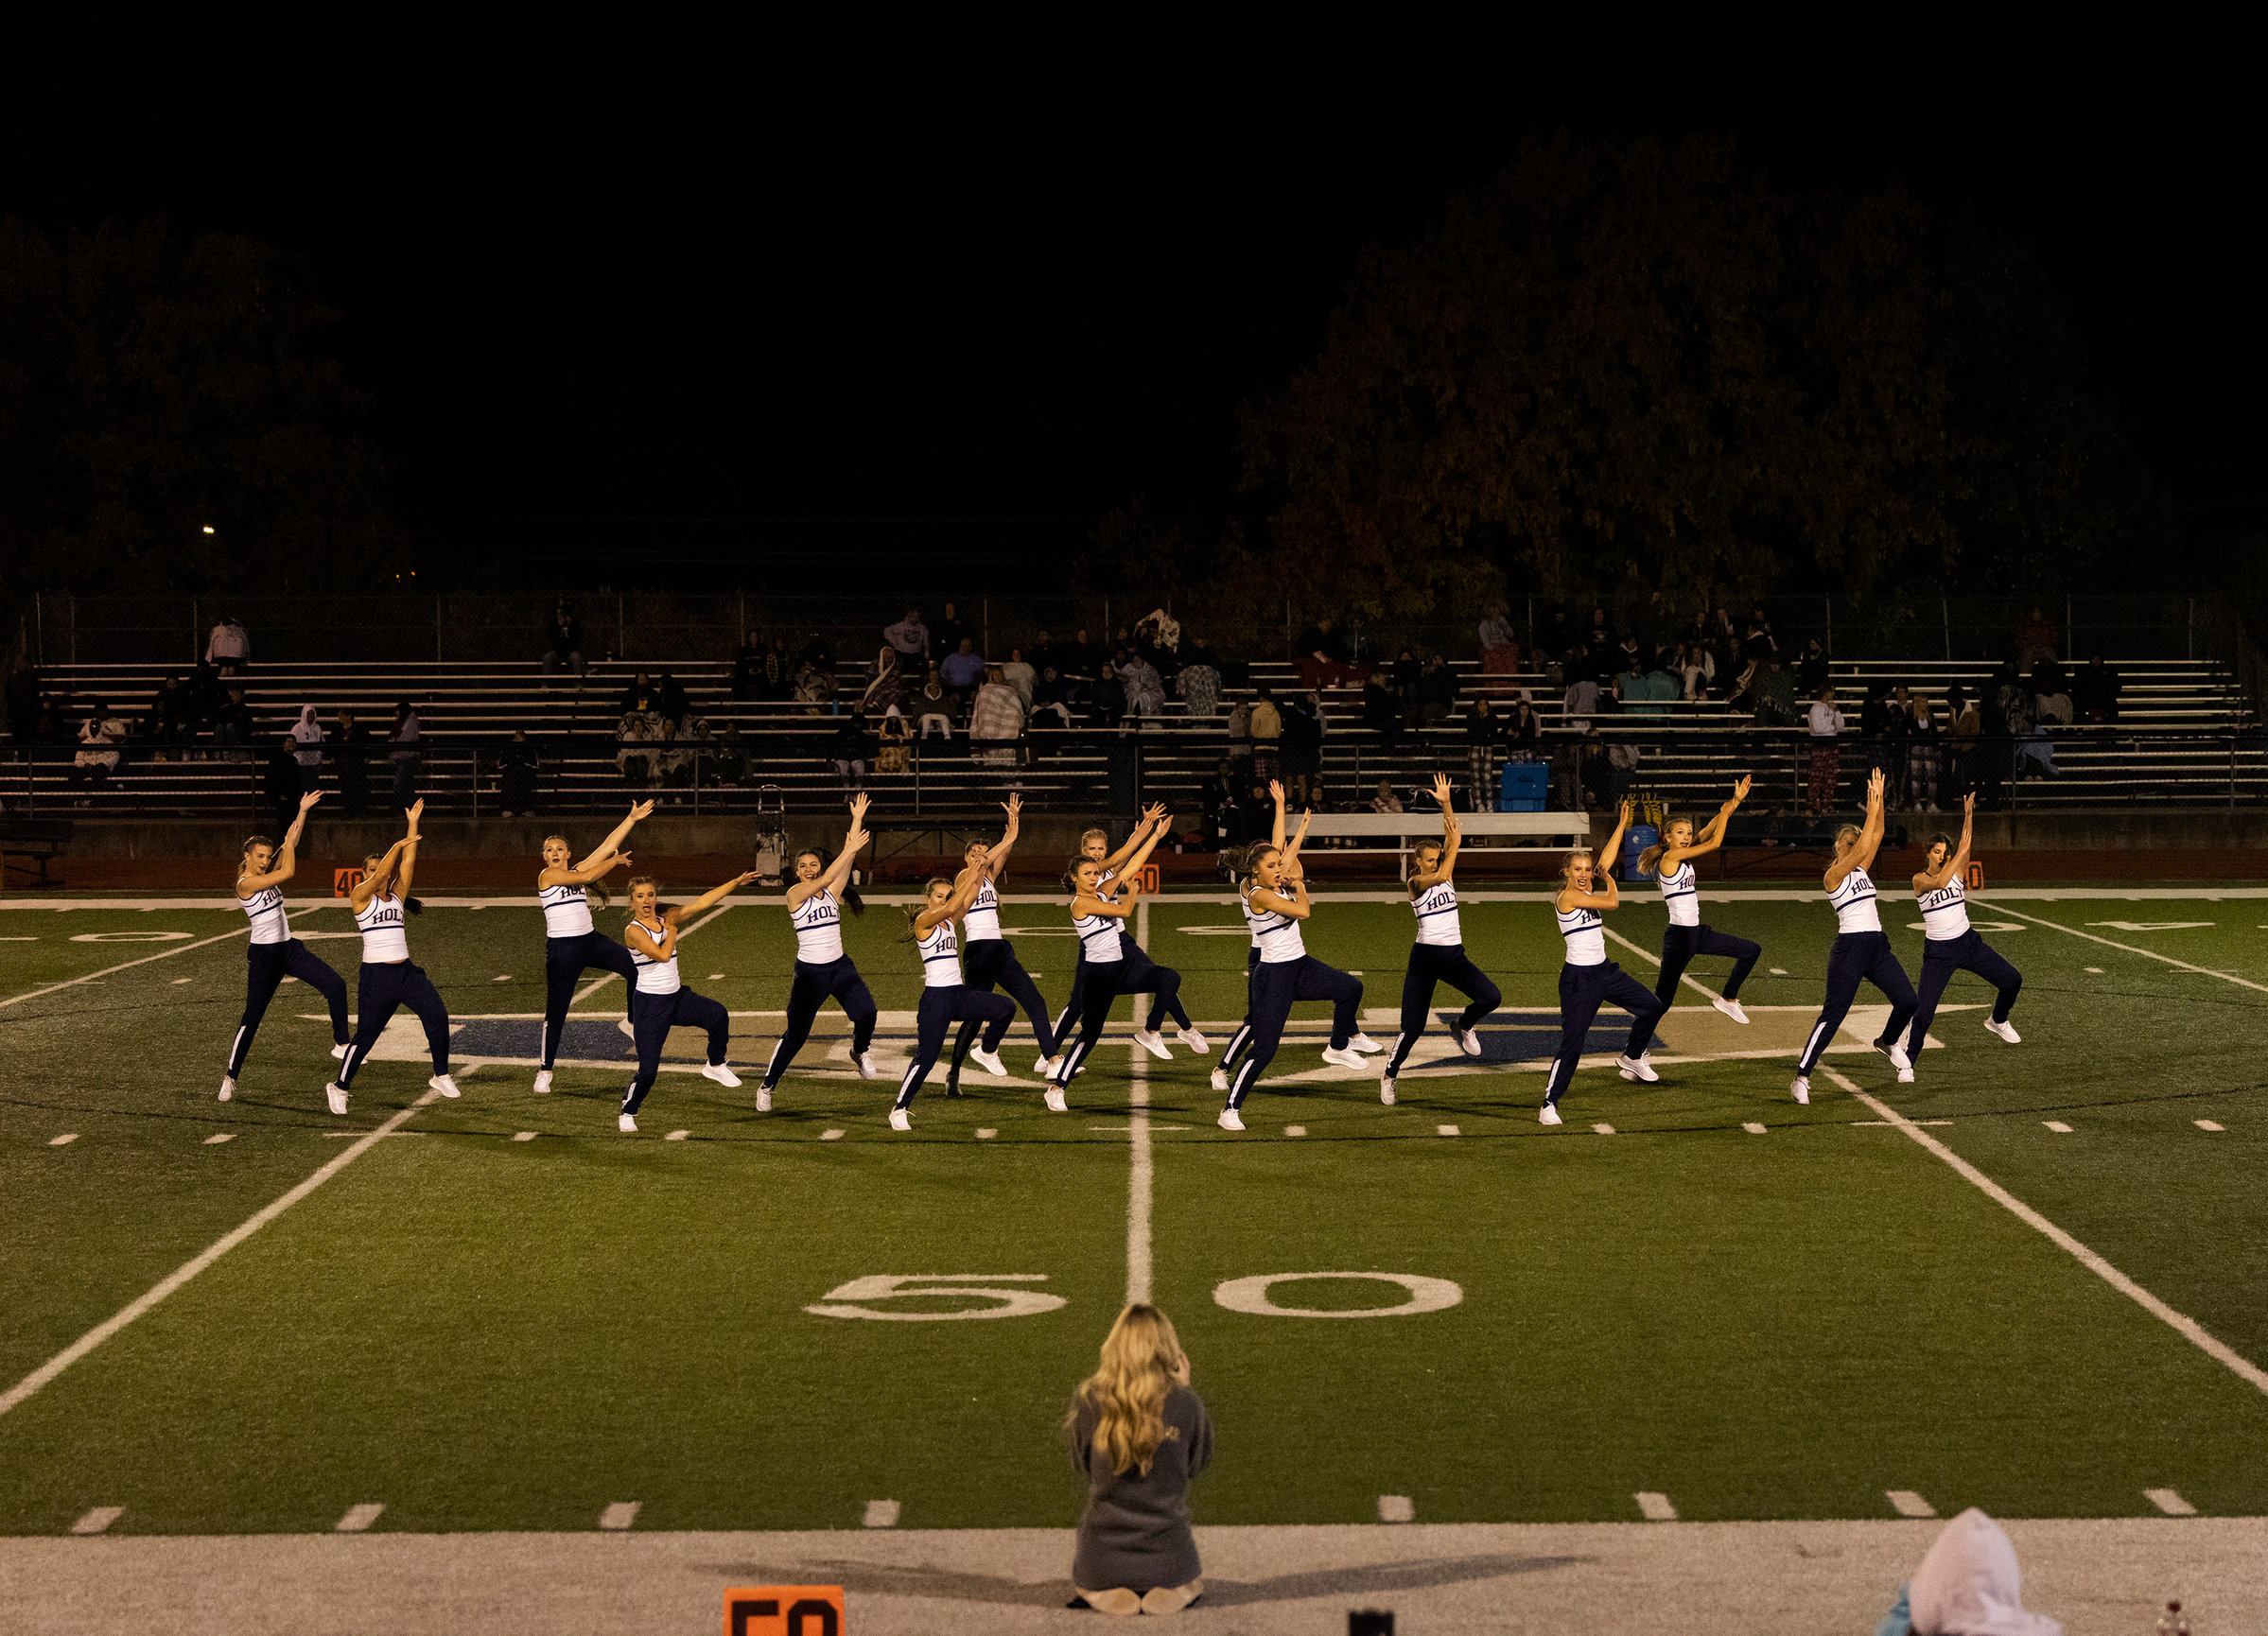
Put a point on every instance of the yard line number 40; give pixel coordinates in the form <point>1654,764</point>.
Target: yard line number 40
<point>901,1298</point>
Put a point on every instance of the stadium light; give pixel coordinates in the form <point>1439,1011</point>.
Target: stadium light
<point>208,527</point>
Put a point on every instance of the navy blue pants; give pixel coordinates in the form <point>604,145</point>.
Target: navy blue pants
<point>1583,990</point>
<point>1859,956</point>
<point>1437,962</point>
<point>1136,974</point>
<point>837,980</point>
<point>940,1009</point>
<point>270,963</point>
<point>1241,1041</point>
<point>1680,943</point>
<point>990,963</point>
<point>565,959</point>
<point>1275,987</point>
<point>1095,995</point>
<point>384,988</point>
<point>1941,958</point>
<point>653,1015</point>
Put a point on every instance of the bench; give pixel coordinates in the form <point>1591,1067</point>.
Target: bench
<point>41,839</point>
<point>1410,827</point>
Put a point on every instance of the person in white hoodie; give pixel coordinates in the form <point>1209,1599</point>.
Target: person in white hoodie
<point>1968,1584</point>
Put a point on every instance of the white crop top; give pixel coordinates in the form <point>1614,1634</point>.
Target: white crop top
<point>265,909</point>
<point>566,911</point>
<point>1681,895</point>
<point>1586,935</point>
<point>818,929</point>
<point>1945,912</point>
<point>940,958</point>
<point>1098,938</point>
<point>981,923</point>
<point>1436,910</point>
<point>1854,903</point>
<point>1277,936</point>
<point>383,939</point>
<point>655,976</point>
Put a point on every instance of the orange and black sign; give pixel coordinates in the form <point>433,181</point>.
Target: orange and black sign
<point>343,880</point>
<point>784,1611</point>
<point>1975,874</point>
<point>1147,877</point>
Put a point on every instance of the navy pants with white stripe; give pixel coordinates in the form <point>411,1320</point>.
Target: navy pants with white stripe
<point>565,959</point>
<point>384,987</point>
<point>836,979</point>
<point>940,1009</point>
<point>1431,963</point>
<point>1941,958</point>
<point>1583,990</point>
<point>1680,943</point>
<point>1136,974</point>
<point>1241,1041</point>
<point>268,964</point>
<point>1278,986</point>
<point>990,963</point>
<point>1095,995</point>
<point>652,1017</point>
<point>1859,957</point>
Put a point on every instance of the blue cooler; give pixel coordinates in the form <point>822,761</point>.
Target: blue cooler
<point>1524,787</point>
<point>1638,839</point>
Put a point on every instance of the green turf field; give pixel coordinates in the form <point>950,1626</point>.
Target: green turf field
<point>1754,1308</point>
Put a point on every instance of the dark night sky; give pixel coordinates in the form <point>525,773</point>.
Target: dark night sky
<point>984,276</point>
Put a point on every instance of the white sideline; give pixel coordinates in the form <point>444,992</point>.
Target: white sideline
<point>2188,1328</point>
<point>2130,949</point>
<point>102,1332</point>
<point>1139,1167</point>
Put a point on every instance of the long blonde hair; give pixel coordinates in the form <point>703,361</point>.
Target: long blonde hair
<point>1140,1357</point>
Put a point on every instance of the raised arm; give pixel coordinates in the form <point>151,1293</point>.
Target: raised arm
<point>1711,835</point>
<point>1604,892</point>
<point>997,860</point>
<point>1870,836</point>
<point>590,868</point>
<point>963,894</point>
<point>1118,906</point>
<point>1924,881</point>
<point>1276,833</point>
<point>408,871</point>
<point>1292,900</point>
<point>1141,853</point>
<point>286,861</point>
<point>715,894</point>
<point>359,894</point>
<point>1152,817</point>
<point>839,871</point>
<point>1450,838</point>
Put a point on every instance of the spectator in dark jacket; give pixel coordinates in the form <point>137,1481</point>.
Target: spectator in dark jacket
<point>2095,691</point>
<point>350,757</point>
<point>562,642</point>
<point>515,781</point>
<point>1138,1436</point>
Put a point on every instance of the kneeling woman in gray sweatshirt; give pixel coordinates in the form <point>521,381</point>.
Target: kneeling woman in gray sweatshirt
<point>1140,1435</point>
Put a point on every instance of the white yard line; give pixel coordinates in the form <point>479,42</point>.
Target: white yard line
<point>124,964</point>
<point>2188,1328</point>
<point>1690,981</point>
<point>1139,1169</point>
<point>1996,906</point>
<point>102,1332</point>
<point>683,934</point>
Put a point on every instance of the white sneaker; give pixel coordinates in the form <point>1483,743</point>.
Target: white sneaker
<point>336,1096</point>
<point>721,1074</point>
<point>1220,1079</point>
<point>542,1082</point>
<point>1730,1008</point>
<point>2005,1030</point>
<point>628,1032</point>
<point>339,1053</point>
<point>865,1061</point>
<point>1635,1067</point>
<point>1385,1089</point>
<point>1896,1055</point>
<point>228,1085</point>
<point>1153,1043</point>
<point>1905,1077</point>
<point>1550,1115</point>
<point>1191,1040</point>
<point>1054,1100</point>
<point>1801,1090</point>
<point>627,1123</point>
<point>988,1061</point>
<point>900,1119</point>
<point>1229,1121</point>
<point>763,1099</point>
<point>444,1085</point>
<point>1045,1067</point>
<point>1467,1040</point>
<point>1364,1042</point>
<point>1347,1057</point>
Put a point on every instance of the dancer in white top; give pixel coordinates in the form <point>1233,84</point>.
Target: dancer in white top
<point>1669,860</point>
<point>571,943</point>
<point>945,999</point>
<point>1137,973</point>
<point>1950,944</point>
<point>1274,902</point>
<point>1861,952</point>
<point>659,999</point>
<point>1589,979</point>
<point>822,890</point>
<point>988,959</point>
<point>1233,860</point>
<point>1438,955</point>
<point>1099,911</point>
<point>274,953</point>
<point>389,981</point>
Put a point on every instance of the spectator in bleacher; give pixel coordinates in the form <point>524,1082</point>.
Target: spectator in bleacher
<point>748,669</point>
<point>1774,695</point>
<point>1499,643</point>
<point>1965,734</point>
<point>670,697</point>
<point>885,688</point>
<point>1266,726</point>
<point>1106,698</point>
<point>1824,724</point>
<point>1875,715</point>
<point>1385,801</point>
<point>409,760</point>
<point>1380,709</point>
<point>1158,639</point>
<point>206,696</point>
<point>228,648</point>
<point>780,669</point>
<point>1199,683</point>
<point>732,751</point>
<point>995,721</point>
<point>1759,630</point>
<point>1302,748</point>
<point>1921,754</point>
<point>1522,739</point>
<point>350,753</point>
<point>1745,673</point>
<point>1216,799</point>
<point>963,669</point>
<point>693,751</point>
<point>2050,703</point>
<point>1696,670</point>
<point>894,742</point>
<point>1557,639</point>
<point>934,706</point>
<point>1598,632</point>
<point>850,752</point>
<point>1019,675</point>
<point>946,633</point>
<point>2008,694</point>
<point>516,775</point>
<point>1322,655</point>
<point>1240,740</point>
<point>99,737</point>
<point>909,640</point>
<point>814,687</point>
<point>1053,699</point>
<point>1581,701</point>
<point>1811,668</point>
<point>306,740</point>
<point>279,792</point>
<point>2035,639</point>
<point>2095,691</point>
<point>167,723</point>
<point>1437,690</point>
<point>23,697</point>
<point>562,642</point>
<point>1145,688</point>
<point>232,723</point>
<point>635,755</point>
<point>642,695</point>
<point>1484,735</point>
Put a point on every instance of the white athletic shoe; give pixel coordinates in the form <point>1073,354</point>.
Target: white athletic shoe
<point>1045,1067</point>
<point>338,1052</point>
<point>336,1096</point>
<point>763,1099</point>
<point>1896,1055</point>
<point>628,1032</point>
<point>1229,1121</point>
<point>1191,1040</point>
<point>988,1061</point>
<point>2005,1030</point>
<point>1364,1042</point>
<point>228,1085</point>
<point>1056,1101</point>
<point>865,1061</point>
<point>1635,1067</point>
<point>627,1123</point>
<point>1349,1057</point>
<point>1385,1089</point>
<point>1467,1040</point>
<point>1730,1008</point>
<point>542,1082</point>
<point>900,1119</point>
<point>1801,1090</point>
<point>721,1074</point>
<point>1220,1079</point>
<point>1550,1115</point>
<point>1905,1077</point>
<point>1154,1044</point>
<point>444,1085</point>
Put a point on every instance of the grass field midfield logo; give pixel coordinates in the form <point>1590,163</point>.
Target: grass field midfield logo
<point>898,1287</point>
<point>345,880</point>
<point>784,1611</point>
